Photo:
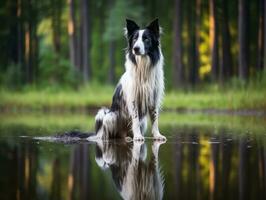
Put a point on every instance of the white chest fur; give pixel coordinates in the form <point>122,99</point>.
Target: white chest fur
<point>144,81</point>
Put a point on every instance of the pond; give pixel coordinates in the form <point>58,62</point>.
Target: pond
<point>205,157</point>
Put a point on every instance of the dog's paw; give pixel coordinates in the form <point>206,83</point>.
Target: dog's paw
<point>94,138</point>
<point>156,146</point>
<point>128,139</point>
<point>159,137</point>
<point>157,143</point>
<point>138,138</point>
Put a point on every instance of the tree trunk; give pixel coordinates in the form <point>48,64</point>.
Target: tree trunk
<point>260,37</point>
<point>242,176</point>
<point>226,67</point>
<point>178,160</point>
<point>193,61</point>
<point>56,180</point>
<point>101,56</point>
<point>78,50</point>
<point>12,49</point>
<point>111,77</point>
<point>72,32</point>
<point>70,178</point>
<point>214,40</point>
<point>28,52</point>
<point>242,40</point>
<point>85,188</point>
<point>214,163</point>
<point>227,149</point>
<point>264,33</point>
<point>194,168</point>
<point>31,42</point>
<point>197,42</point>
<point>35,51</point>
<point>85,35</point>
<point>56,24</point>
<point>178,72</point>
<point>27,41</point>
<point>20,36</point>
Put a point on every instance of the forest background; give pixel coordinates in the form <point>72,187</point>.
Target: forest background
<point>70,53</point>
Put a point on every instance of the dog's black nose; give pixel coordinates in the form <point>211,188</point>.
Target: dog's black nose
<point>136,50</point>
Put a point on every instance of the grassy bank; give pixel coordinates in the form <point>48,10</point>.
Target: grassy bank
<point>171,122</point>
<point>229,100</point>
<point>96,96</point>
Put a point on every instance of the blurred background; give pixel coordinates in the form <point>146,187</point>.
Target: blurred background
<point>60,61</point>
<point>59,45</point>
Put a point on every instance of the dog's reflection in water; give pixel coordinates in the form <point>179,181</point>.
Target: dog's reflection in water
<point>135,176</point>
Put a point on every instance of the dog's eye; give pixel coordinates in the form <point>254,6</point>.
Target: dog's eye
<point>146,40</point>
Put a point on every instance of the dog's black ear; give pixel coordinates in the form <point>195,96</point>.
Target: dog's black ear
<point>131,27</point>
<point>154,27</point>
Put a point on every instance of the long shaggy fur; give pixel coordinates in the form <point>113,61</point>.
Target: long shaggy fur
<point>139,91</point>
<point>135,176</point>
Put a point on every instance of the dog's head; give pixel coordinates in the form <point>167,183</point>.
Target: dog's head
<point>143,42</point>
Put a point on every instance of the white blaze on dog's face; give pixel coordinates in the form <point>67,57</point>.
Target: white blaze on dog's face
<point>138,43</point>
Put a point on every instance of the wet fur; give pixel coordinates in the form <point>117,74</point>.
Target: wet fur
<point>135,177</point>
<point>140,90</point>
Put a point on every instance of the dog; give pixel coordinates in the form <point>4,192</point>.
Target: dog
<point>134,176</point>
<point>139,91</point>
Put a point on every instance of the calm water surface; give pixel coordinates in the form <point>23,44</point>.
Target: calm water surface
<point>197,162</point>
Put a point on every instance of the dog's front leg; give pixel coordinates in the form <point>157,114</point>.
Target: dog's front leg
<point>136,150</point>
<point>154,115</point>
<point>135,122</point>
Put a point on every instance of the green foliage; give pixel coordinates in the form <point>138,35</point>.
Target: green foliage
<point>256,82</point>
<point>107,20</point>
<point>116,18</point>
<point>57,71</point>
<point>12,77</point>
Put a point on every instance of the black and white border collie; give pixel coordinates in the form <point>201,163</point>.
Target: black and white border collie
<point>135,175</point>
<point>140,90</point>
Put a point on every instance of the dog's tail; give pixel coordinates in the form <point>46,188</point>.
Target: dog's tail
<point>75,134</point>
<point>68,137</point>
<point>99,118</point>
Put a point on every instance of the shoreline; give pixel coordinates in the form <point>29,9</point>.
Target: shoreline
<point>92,110</point>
